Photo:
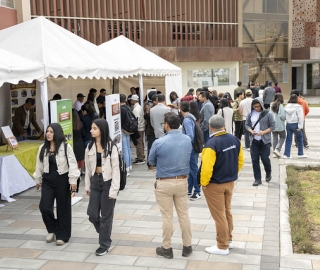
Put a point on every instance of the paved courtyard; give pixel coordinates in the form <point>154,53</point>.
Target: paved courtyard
<point>258,227</point>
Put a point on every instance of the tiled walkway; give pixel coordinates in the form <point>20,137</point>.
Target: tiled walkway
<point>137,227</point>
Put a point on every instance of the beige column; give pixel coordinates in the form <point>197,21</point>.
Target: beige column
<point>23,10</point>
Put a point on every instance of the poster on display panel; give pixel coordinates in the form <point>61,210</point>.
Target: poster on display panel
<point>61,113</point>
<point>113,118</point>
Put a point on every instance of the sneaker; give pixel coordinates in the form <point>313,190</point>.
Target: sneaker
<point>230,245</point>
<point>257,183</point>
<point>167,253</point>
<point>139,162</point>
<point>152,168</point>
<point>275,156</point>
<point>285,157</point>
<point>50,237</point>
<point>302,156</point>
<point>60,242</point>
<point>276,152</point>
<point>128,174</point>
<point>186,251</point>
<point>195,197</point>
<point>189,194</point>
<point>216,250</point>
<point>306,146</point>
<point>101,251</point>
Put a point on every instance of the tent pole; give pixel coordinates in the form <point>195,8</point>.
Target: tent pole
<point>141,89</point>
<point>44,101</point>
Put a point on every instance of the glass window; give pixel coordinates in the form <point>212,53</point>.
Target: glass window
<point>7,3</point>
<point>197,78</point>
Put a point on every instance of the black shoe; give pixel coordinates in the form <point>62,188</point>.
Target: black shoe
<point>139,162</point>
<point>186,251</point>
<point>167,253</point>
<point>101,251</point>
<point>268,178</point>
<point>257,183</point>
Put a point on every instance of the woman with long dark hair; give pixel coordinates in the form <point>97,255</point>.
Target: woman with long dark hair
<point>87,116</point>
<point>175,102</point>
<point>294,118</point>
<point>193,109</point>
<point>102,182</point>
<point>226,112</point>
<point>56,174</point>
<point>279,133</point>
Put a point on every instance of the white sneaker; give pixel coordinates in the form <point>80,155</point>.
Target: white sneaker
<point>302,156</point>
<point>285,157</point>
<point>128,174</point>
<point>276,152</point>
<point>275,156</point>
<point>216,250</point>
<point>50,237</point>
<point>230,245</point>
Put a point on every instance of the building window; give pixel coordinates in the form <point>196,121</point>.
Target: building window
<point>198,78</point>
<point>7,3</point>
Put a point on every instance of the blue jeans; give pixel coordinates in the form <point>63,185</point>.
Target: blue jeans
<point>193,174</point>
<point>292,128</point>
<point>260,150</point>
<point>126,150</point>
<point>206,136</point>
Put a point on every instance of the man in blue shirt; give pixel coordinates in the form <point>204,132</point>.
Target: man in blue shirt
<point>188,128</point>
<point>171,155</point>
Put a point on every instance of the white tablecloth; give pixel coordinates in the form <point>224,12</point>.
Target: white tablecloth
<point>13,177</point>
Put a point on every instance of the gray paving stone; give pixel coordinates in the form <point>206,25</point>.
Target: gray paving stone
<point>22,263</point>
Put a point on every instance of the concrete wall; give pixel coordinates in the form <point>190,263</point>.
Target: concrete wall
<point>8,17</point>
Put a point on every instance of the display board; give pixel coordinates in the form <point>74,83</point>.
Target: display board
<point>61,113</point>
<point>18,95</point>
<point>114,119</point>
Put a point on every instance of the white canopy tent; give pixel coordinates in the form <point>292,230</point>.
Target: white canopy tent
<point>145,63</point>
<point>61,53</point>
<point>14,68</point>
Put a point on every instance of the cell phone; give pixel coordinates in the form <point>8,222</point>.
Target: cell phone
<point>255,133</point>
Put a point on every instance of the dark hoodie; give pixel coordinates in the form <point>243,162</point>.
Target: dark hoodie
<point>265,122</point>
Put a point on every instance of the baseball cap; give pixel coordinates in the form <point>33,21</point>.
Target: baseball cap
<point>80,95</point>
<point>135,97</point>
<point>269,82</point>
<point>248,91</point>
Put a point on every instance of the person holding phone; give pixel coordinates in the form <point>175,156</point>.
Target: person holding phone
<point>260,123</point>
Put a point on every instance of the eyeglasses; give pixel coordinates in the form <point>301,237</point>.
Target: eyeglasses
<point>256,107</point>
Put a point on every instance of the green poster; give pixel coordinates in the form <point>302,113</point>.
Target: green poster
<point>61,113</point>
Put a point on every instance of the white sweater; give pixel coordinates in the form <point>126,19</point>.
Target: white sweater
<point>294,114</point>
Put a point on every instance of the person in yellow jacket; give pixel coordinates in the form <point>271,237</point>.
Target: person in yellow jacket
<point>222,159</point>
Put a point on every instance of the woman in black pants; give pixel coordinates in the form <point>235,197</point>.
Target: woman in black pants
<point>56,174</point>
<point>102,182</point>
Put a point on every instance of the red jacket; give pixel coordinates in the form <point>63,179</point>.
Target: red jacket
<point>187,98</point>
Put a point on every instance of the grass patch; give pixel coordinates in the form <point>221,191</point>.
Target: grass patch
<point>304,208</point>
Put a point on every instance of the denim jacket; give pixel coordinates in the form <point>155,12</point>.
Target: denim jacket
<point>62,164</point>
<point>110,168</point>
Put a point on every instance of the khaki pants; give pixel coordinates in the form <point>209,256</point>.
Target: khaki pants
<point>140,146</point>
<point>218,198</point>
<point>169,192</point>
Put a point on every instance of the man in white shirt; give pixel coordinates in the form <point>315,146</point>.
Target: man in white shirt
<point>79,102</point>
<point>245,106</point>
<point>139,114</point>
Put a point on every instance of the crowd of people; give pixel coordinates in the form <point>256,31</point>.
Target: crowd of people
<point>171,132</point>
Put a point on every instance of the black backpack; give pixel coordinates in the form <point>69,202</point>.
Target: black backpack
<point>198,141</point>
<point>122,168</point>
<point>130,123</point>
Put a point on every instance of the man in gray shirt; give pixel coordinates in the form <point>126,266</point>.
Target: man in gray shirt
<point>206,112</point>
<point>157,115</point>
<point>268,95</point>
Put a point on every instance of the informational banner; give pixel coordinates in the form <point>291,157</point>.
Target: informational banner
<point>18,94</point>
<point>113,118</point>
<point>61,113</point>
